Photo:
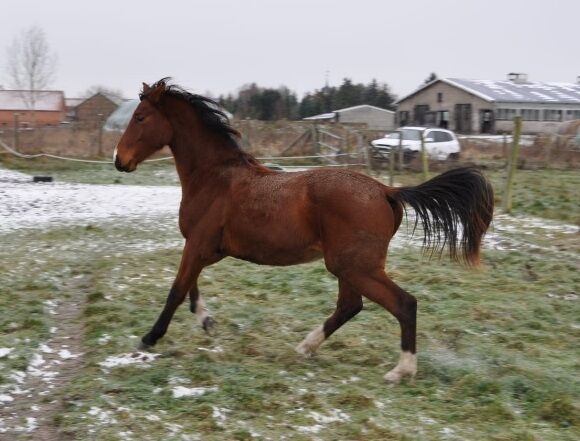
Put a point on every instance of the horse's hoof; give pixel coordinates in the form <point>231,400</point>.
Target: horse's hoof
<point>208,326</point>
<point>395,376</point>
<point>305,350</point>
<point>144,347</point>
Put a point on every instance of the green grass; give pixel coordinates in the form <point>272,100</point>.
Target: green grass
<point>498,350</point>
<point>498,347</point>
<point>150,173</point>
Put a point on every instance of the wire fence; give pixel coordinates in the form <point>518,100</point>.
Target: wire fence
<point>165,158</point>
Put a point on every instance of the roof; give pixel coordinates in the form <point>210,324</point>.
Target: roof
<point>73,102</point>
<point>46,100</point>
<point>505,91</point>
<point>331,115</point>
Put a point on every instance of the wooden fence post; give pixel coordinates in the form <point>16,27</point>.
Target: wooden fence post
<point>392,159</point>
<point>16,133</point>
<point>512,163</point>
<point>424,158</point>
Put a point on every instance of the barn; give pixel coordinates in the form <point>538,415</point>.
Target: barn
<point>489,106</point>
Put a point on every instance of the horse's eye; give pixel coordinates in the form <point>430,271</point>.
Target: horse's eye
<point>139,118</point>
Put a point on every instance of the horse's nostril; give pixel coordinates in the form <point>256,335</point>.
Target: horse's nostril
<point>119,166</point>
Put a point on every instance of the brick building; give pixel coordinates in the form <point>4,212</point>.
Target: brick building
<point>93,110</point>
<point>49,108</point>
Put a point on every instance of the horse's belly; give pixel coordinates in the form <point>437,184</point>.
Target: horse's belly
<point>266,248</point>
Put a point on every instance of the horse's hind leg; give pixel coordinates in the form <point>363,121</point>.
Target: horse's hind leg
<point>197,306</point>
<point>348,305</point>
<point>376,286</point>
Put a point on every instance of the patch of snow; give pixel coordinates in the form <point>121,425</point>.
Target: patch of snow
<point>104,339</point>
<point>181,391</point>
<point>5,398</point>
<point>128,359</point>
<point>5,351</point>
<point>217,349</point>
<point>310,429</point>
<point>66,354</point>
<point>104,416</point>
<point>219,415</point>
<point>335,415</point>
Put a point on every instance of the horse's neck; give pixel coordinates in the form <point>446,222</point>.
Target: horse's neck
<point>201,154</point>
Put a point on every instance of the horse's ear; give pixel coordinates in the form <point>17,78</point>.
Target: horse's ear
<point>154,94</point>
<point>146,88</point>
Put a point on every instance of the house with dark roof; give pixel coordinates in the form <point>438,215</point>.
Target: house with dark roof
<point>374,117</point>
<point>39,108</point>
<point>489,106</point>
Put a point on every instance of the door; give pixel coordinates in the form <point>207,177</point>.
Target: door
<point>486,121</point>
<point>463,118</point>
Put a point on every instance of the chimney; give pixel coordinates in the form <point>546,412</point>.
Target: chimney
<point>518,78</point>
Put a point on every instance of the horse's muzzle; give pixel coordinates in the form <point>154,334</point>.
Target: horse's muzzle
<point>121,167</point>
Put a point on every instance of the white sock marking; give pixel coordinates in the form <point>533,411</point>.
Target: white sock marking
<point>312,341</point>
<point>200,310</point>
<point>407,365</point>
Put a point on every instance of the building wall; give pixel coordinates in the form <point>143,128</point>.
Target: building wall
<point>450,96</point>
<point>94,110</point>
<point>375,119</point>
<point>534,126</point>
<point>26,118</point>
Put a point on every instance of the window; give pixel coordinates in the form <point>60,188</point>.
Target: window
<point>439,97</point>
<point>438,136</point>
<point>505,114</point>
<point>403,117</point>
<point>411,134</point>
<point>552,115</point>
<point>572,114</point>
<point>530,114</point>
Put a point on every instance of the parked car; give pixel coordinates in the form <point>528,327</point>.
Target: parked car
<point>440,143</point>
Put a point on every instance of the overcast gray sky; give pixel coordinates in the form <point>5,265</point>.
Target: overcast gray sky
<point>219,45</point>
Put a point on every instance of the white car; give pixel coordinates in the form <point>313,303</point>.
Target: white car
<point>440,143</point>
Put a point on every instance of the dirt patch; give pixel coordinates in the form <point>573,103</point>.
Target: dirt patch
<point>32,405</point>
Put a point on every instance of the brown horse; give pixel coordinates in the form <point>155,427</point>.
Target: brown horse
<point>233,206</point>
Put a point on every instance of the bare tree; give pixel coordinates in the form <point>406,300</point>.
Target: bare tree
<point>30,65</point>
<point>105,90</point>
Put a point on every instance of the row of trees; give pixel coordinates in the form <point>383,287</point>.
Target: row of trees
<point>255,102</point>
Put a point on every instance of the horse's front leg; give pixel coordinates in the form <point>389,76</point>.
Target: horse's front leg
<point>187,275</point>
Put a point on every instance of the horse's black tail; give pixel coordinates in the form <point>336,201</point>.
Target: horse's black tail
<point>455,209</point>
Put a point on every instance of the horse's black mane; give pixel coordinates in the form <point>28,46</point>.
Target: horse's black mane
<point>209,111</point>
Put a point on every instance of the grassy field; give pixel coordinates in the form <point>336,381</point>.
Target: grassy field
<point>498,348</point>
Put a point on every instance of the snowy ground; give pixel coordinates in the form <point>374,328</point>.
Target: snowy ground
<point>24,204</point>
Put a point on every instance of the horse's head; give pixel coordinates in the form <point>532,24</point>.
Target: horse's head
<point>148,131</point>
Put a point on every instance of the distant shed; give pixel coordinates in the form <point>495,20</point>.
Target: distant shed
<point>374,117</point>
